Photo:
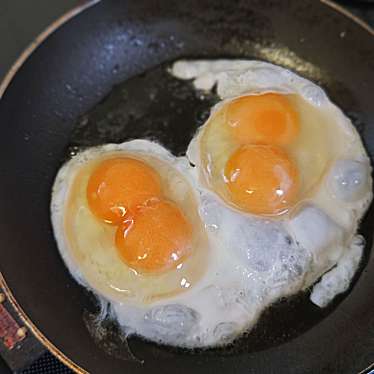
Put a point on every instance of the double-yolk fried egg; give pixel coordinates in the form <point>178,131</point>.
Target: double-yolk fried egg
<point>191,255</point>
<point>130,221</point>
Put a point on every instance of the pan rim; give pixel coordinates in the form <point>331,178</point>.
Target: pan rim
<point>23,57</point>
<point>4,84</point>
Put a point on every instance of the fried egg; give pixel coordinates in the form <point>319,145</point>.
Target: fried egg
<point>278,149</point>
<point>180,252</point>
<point>127,224</point>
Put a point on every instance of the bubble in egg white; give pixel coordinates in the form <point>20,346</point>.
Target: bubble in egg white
<point>263,246</point>
<point>348,180</point>
<point>171,323</point>
<point>314,94</point>
<point>259,247</point>
<point>226,331</point>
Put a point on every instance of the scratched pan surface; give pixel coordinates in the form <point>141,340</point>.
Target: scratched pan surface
<point>58,103</point>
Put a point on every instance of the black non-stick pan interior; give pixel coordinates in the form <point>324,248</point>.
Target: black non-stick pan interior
<point>102,77</point>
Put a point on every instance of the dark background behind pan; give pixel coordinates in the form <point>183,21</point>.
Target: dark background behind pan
<point>111,42</point>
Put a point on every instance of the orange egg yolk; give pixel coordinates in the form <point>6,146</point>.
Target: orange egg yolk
<point>156,239</point>
<point>262,119</point>
<point>261,179</point>
<point>118,185</point>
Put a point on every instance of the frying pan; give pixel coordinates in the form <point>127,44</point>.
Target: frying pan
<point>55,101</point>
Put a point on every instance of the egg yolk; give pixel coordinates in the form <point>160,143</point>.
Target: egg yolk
<point>118,185</point>
<point>262,119</point>
<point>261,179</point>
<point>157,238</point>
